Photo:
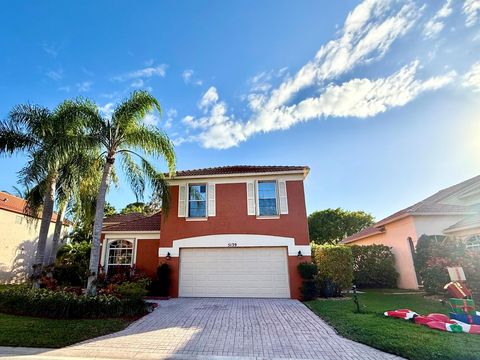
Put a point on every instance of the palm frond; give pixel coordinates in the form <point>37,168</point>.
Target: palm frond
<point>152,142</point>
<point>13,138</point>
<point>134,174</point>
<point>131,111</point>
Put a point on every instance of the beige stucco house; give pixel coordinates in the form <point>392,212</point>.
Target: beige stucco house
<point>453,211</point>
<point>18,239</point>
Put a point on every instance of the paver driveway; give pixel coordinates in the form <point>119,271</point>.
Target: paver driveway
<point>210,328</point>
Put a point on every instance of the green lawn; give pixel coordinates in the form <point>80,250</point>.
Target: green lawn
<point>396,336</point>
<point>51,333</point>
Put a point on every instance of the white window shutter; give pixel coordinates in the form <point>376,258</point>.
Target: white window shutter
<point>211,199</point>
<point>282,196</point>
<point>182,201</point>
<point>250,198</point>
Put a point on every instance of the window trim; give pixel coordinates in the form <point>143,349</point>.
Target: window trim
<point>196,218</point>
<point>257,200</point>
<point>106,261</point>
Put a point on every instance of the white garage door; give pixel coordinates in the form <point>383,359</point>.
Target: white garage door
<point>234,272</point>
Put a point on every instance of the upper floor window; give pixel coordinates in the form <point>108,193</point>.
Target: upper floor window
<point>267,198</point>
<point>197,200</point>
<point>473,242</point>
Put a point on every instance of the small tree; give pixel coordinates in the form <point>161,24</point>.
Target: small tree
<point>330,226</point>
<point>335,268</point>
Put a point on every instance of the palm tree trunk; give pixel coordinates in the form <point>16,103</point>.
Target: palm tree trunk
<point>57,232</point>
<point>97,227</point>
<point>47,212</point>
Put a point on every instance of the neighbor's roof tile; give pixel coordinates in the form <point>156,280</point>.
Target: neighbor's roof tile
<point>146,223</point>
<point>15,204</point>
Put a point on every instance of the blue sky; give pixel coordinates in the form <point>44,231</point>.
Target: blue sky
<point>380,98</point>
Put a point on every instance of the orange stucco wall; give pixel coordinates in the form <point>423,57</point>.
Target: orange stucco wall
<point>396,236</point>
<point>147,256</point>
<point>231,218</point>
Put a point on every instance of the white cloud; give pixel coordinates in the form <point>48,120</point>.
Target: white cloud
<point>435,25</point>
<point>171,115</point>
<point>145,73</point>
<point>50,49</point>
<point>368,33</point>
<point>471,9</point>
<point>187,75</point>
<point>55,74</point>
<point>138,83</point>
<point>151,119</point>
<point>209,97</point>
<point>472,77</point>
<point>84,86</point>
<point>107,109</point>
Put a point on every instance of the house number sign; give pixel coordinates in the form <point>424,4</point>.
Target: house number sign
<point>232,244</point>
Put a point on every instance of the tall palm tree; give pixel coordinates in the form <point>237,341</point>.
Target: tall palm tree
<point>125,135</point>
<point>50,138</point>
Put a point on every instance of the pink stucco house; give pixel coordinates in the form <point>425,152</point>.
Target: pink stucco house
<point>453,211</point>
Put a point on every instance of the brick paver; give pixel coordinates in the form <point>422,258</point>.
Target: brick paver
<point>189,328</point>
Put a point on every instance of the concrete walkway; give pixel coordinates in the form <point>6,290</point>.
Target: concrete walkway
<point>220,329</point>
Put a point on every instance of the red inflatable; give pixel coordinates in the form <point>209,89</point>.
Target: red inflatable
<point>431,317</point>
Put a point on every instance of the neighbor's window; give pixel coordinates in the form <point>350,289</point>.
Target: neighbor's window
<point>197,200</point>
<point>120,256</point>
<point>473,242</point>
<point>267,198</point>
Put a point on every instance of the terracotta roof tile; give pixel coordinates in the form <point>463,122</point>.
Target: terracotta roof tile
<point>16,204</point>
<point>116,218</point>
<point>148,223</point>
<point>239,169</point>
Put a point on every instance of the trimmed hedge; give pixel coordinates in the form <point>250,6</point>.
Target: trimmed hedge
<point>307,272</point>
<point>374,266</point>
<point>23,300</point>
<point>335,268</point>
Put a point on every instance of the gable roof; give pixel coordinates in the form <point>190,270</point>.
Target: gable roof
<point>432,205</point>
<point>16,204</point>
<point>369,231</point>
<point>241,170</point>
<point>146,223</point>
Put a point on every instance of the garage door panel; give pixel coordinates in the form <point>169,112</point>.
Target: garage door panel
<point>234,272</point>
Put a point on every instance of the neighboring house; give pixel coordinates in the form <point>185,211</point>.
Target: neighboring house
<point>18,239</point>
<point>452,211</point>
<point>234,231</point>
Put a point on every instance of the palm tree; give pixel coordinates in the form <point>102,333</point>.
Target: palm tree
<point>50,138</point>
<point>125,135</point>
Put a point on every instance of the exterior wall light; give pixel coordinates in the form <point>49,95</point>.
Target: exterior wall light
<point>168,257</point>
<point>299,254</point>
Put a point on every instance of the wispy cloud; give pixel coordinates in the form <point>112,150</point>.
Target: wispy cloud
<point>151,119</point>
<point>188,77</point>
<point>84,86</point>
<point>471,9</point>
<point>436,24</point>
<point>145,73</point>
<point>472,77</point>
<point>55,74</point>
<point>170,117</point>
<point>50,49</point>
<point>107,109</point>
<point>367,34</point>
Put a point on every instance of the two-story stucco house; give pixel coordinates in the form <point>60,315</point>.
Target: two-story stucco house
<point>233,231</point>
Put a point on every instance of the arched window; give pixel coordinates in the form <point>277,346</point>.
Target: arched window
<point>120,255</point>
<point>473,242</point>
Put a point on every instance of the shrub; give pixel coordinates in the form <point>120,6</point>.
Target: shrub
<point>22,300</point>
<point>132,290</point>
<point>307,272</point>
<point>71,265</point>
<point>374,266</point>
<point>335,268</point>
<point>434,279</point>
<point>160,286</point>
